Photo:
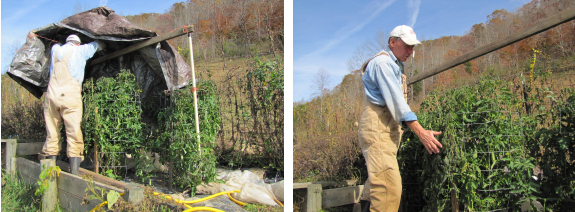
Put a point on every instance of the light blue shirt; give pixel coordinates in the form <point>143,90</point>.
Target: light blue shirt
<point>77,62</point>
<point>382,82</point>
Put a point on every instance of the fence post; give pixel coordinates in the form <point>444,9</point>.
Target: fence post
<point>50,196</point>
<point>133,192</point>
<point>313,199</point>
<point>13,165</point>
<point>11,145</point>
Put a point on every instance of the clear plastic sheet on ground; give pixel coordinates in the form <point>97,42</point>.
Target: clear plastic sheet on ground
<point>253,188</point>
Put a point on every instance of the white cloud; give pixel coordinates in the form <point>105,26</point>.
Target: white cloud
<point>352,28</point>
<point>103,2</point>
<point>413,11</point>
<point>21,12</point>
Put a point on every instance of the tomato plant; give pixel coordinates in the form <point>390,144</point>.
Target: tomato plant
<point>554,148</point>
<point>484,155</point>
<point>112,119</point>
<point>177,141</point>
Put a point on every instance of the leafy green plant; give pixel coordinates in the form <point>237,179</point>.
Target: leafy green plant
<point>17,195</point>
<point>45,176</point>
<point>193,160</point>
<point>112,119</point>
<point>256,111</point>
<point>484,156</point>
<point>554,147</point>
<point>103,195</point>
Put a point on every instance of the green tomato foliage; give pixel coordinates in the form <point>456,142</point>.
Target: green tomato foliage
<point>484,156</point>
<point>112,118</point>
<point>177,142</point>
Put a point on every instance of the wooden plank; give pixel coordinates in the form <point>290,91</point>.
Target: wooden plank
<point>70,202</point>
<point>133,192</point>
<point>28,170</point>
<point>11,147</point>
<point>29,148</point>
<point>341,196</point>
<point>24,140</point>
<point>72,189</point>
<point>50,196</point>
<point>313,199</point>
<point>565,16</point>
<point>356,207</point>
<point>97,177</point>
<point>322,183</point>
<point>151,41</point>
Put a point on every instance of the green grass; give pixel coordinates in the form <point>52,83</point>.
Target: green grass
<point>16,196</point>
<point>258,207</point>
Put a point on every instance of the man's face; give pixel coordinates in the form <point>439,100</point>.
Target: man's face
<point>400,49</point>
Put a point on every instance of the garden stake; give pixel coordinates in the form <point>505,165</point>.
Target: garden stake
<point>194,89</point>
<point>96,164</point>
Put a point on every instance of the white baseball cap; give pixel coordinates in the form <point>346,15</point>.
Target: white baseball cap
<point>406,34</point>
<point>73,37</point>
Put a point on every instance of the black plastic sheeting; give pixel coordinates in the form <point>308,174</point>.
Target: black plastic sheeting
<point>157,67</point>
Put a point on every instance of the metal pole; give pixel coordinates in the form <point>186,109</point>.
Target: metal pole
<point>194,89</point>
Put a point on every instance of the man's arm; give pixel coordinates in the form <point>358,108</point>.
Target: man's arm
<point>88,50</point>
<point>427,137</point>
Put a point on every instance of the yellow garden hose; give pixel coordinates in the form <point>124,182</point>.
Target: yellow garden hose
<point>278,202</point>
<point>190,208</point>
<point>238,202</point>
<point>197,200</point>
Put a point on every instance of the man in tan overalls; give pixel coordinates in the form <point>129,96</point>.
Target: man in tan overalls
<point>385,109</point>
<point>63,98</point>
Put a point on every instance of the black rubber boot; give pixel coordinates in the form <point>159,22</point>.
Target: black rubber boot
<point>75,165</point>
<point>365,205</point>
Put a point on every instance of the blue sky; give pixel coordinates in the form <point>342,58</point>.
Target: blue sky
<point>327,33</point>
<point>21,16</point>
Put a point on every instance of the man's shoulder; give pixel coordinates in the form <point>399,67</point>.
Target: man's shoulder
<point>383,57</point>
<point>56,46</point>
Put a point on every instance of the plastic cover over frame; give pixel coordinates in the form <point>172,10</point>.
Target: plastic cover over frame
<point>157,67</point>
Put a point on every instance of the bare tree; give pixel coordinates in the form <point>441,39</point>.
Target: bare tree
<point>320,86</point>
<point>320,82</point>
<point>13,48</point>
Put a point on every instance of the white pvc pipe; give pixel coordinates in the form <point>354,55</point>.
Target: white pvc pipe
<point>195,92</point>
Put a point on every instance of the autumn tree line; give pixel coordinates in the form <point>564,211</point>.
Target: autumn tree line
<point>222,28</point>
<point>325,128</point>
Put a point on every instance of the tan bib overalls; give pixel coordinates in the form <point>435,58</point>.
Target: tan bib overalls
<point>63,101</point>
<point>379,137</point>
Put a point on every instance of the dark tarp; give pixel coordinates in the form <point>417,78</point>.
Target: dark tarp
<point>157,67</point>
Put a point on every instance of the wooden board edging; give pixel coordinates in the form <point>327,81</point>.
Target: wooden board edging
<point>341,196</point>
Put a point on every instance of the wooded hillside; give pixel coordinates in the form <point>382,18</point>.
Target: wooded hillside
<point>223,28</point>
<point>331,116</point>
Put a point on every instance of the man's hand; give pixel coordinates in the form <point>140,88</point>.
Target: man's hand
<point>101,45</point>
<point>427,137</point>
